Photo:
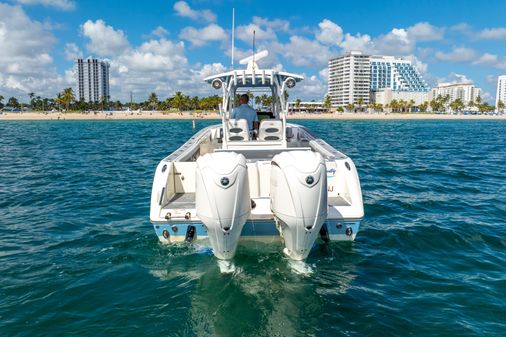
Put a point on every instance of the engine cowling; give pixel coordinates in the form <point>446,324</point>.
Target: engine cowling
<point>222,199</point>
<point>299,199</point>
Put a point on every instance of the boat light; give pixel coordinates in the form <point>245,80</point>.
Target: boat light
<point>165,234</point>
<point>174,228</point>
<point>188,215</point>
<point>168,216</point>
<point>349,231</point>
<point>290,83</point>
<point>309,180</point>
<point>217,83</point>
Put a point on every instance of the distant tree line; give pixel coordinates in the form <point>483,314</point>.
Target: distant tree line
<point>438,104</point>
<point>66,100</point>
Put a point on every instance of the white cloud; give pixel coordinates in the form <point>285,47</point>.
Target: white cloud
<point>26,65</point>
<point>200,37</point>
<point>72,52</point>
<point>160,31</point>
<point>461,54</point>
<point>159,66</point>
<point>65,5</point>
<point>245,33</point>
<point>491,60</point>
<point>104,39</point>
<point>493,34</point>
<point>329,33</point>
<point>304,52</point>
<point>312,87</point>
<point>424,31</point>
<point>397,42</point>
<point>356,42</point>
<point>276,24</point>
<point>183,9</point>
<point>454,78</point>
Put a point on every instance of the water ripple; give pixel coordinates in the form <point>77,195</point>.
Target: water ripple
<point>79,257</point>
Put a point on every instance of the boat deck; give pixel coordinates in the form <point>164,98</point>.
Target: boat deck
<point>182,201</point>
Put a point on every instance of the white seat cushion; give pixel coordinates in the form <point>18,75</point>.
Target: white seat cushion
<point>238,130</point>
<point>270,129</point>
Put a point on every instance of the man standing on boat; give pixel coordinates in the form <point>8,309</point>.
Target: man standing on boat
<point>244,111</point>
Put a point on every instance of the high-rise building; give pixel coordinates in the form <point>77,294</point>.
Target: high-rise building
<point>92,80</point>
<point>466,92</point>
<point>349,79</point>
<point>396,74</point>
<point>501,90</point>
<point>355,75</point>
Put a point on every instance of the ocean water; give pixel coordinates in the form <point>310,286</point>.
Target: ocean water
<point>78,256</point>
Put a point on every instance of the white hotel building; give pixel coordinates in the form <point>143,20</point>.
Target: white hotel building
<point>92,80</point>
<point>466,92</point>
<point>375,79</point>
<point>501,90</point>
<point>349,79</point>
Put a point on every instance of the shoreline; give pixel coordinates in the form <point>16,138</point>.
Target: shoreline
<point>157,115</point>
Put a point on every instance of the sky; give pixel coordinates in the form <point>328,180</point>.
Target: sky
<point>167,46</point>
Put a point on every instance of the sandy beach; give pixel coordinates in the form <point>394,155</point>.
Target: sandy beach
<point>158,115</point>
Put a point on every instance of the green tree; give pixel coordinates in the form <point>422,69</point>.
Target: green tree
<point>360,102</point>
<point>457,105</point>
<point>424,106</point>
<point>410,104</point>
<point>500,105</point>
<point>31,95</point>
<point>178,101</point>
<point>394,105</point>
<point>13,102</point>
<point>67,97</point>
<point>350,107</point>
<point>153,101</point>
<point>1,104</point>
<point>327,103</point>
<point>485,107</point>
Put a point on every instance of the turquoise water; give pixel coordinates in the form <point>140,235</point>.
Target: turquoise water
<point>79,257</point>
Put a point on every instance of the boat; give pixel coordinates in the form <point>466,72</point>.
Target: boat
<point>227,184</point>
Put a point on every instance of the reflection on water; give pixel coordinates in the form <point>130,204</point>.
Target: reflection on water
<point>264,296</point>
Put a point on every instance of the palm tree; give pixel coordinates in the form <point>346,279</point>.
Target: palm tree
<point>457,105</point>
<point>423,106</point>
<point>258,100</point>
<point>327,103</point>
<point>67,97</point>
<point>360,102</point>
<point>410,105</point>
<point>178,101</point>
<point>1,104</point>
<point>500,105</point>
<point>350,107</point>
<point>194,102</point>
<point>394,105</point>
<point>31,95</point>
<point>153,101</point>
<point>13,102</point>
<point>101,102</point>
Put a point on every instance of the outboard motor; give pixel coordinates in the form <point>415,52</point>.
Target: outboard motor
<point>222,199</point>
<point>299,199</point>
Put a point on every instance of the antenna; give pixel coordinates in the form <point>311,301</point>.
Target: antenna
<point>233,33</point>
<point>254,49</point>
